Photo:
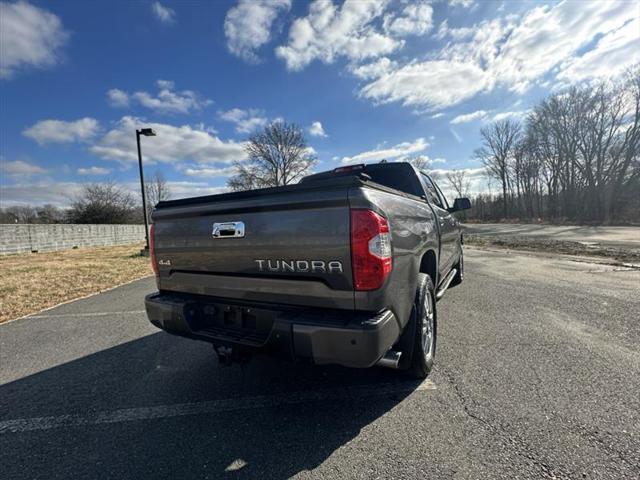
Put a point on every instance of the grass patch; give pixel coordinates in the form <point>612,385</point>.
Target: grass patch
<point>34,281</point>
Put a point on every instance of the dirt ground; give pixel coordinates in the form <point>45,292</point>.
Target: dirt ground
<point>621,254</point>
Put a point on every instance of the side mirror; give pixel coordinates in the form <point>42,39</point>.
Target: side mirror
<point>460,204</point>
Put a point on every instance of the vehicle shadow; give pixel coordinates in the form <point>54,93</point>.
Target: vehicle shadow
<point>293,416</point>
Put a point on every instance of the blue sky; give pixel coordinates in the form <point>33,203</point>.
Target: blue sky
<point>366,79</point>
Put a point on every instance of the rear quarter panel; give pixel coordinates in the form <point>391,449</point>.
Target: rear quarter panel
<point>413,233</point>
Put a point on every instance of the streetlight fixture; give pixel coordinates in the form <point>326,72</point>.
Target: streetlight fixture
<point>147,132</point>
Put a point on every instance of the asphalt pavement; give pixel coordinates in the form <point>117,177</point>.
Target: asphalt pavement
<point>537,376</point>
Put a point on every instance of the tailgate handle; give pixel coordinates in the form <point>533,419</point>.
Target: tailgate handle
<point>228,230</point>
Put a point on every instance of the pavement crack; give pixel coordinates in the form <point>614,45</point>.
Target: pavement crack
<point>596,437</point>
<point>519,446</point>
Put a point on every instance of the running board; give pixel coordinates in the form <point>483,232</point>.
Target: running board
<point>391,359</point>
<point>445,283</point>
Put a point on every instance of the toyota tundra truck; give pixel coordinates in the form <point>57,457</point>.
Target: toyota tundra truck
<point>342,268</point>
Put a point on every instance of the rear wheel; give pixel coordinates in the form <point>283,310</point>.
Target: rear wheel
<point>423,322</point>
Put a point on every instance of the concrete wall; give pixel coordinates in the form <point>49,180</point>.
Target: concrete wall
<point>19,238</point>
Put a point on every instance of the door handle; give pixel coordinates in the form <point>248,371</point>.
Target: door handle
<point>228,230</point>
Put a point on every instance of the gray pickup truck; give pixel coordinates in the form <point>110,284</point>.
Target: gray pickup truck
<point>343,268</point>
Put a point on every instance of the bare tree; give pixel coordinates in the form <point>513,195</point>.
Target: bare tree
<point>279,155</point>
<point>421,162</point>
<point>577,159</point>
<point>459,181</point>
<point>157,190</point>
<point>50,214</point>
<point>102,203</point>
<point>498,142</point>
<point>22,214</point>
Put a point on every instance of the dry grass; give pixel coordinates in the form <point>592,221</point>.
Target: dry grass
<point>34,281</point>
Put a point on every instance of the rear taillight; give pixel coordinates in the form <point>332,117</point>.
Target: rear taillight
<point>370,249</point>
<point>152,249</point>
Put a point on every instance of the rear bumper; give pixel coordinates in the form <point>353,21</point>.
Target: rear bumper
<point>351,339</point>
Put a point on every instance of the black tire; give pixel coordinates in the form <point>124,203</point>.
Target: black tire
<point>424,324</point>
<point>457,280</point>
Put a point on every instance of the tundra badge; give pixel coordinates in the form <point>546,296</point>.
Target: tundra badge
<point>299,266</point>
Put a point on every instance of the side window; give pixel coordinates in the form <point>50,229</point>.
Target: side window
<point>430,190</point>
<point>445,202</point>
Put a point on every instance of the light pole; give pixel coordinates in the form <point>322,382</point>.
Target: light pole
<point>147,132</point>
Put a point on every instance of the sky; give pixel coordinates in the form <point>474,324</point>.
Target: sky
<point>366,80</point>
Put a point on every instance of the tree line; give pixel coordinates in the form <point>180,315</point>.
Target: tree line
<point>96,203</point>
<point>574,158</point>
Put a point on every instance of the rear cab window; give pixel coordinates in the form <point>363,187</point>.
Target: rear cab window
<point>399,176</point>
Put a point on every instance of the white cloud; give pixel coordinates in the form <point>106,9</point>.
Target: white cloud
<point>173,144</point>
<point>209,172</point>
<point>516,52</point>
<point>435,84</point>
<point>414,19</point>
<point>516,114</point>
<point>166,84</point>
<point>167,99</point>
<point>374,69</point>
<point>546,37</point>
<point>118,98</point>
<point>469,117</point>
<point>163,14</point>
<point>61,194</point>
<point>316,130</point>
<point>247,26</point>
<point>400,151</point>
<point>20,168</point>
<point>329,32</point>
<point>457,34</point>
<point>614,52</point>
<point>485,116</point>
<point>462,3</point>
<point>178,188</point>
<point>246,121</point>
<point>186,189</point>
<point>60,131</point>
<point>29,37</point>
<point>94,171</point>
<point>437,115</point>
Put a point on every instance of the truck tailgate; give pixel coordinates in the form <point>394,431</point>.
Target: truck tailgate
<point>287,245</point>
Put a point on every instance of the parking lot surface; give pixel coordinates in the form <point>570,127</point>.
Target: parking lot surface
<point>536,377</point>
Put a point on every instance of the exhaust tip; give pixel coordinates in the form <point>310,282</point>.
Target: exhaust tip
<point>391,359</point>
